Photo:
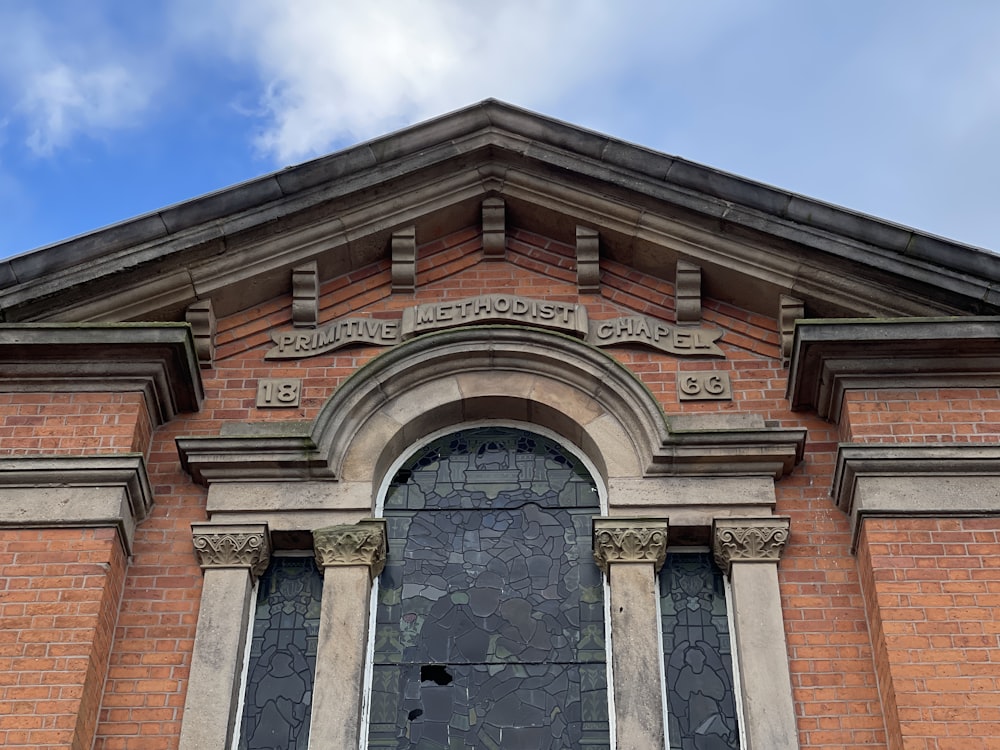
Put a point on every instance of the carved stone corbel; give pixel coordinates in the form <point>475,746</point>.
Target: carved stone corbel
<point>687,293</point>
<point>362,543</point>
<point>201,317</point>
<point>404,260</point>
<point>790,309</point>
<point>588,261</point>
<point>494,229</point>
<point>232,546</point>
<point>632,540</point>
<point>305,295</point>
<point>748,540</point>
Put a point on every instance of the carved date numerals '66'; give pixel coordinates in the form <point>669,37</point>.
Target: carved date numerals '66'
<point>703,386</point>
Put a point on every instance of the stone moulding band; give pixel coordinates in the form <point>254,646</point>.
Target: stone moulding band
<point>570,319</point>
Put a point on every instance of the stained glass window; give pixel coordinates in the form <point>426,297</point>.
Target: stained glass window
<point>701,702</point>
<point>278,695</point>
<point>490,619</point>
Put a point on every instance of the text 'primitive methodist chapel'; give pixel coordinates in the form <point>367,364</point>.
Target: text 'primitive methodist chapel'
<point>500,433</point>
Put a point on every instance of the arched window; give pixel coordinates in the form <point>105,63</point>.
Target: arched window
<point>489,630</point>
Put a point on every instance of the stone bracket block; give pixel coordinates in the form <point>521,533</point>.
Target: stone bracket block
<point>201,317</point>
<point>305,295</point>
<point>588,267</point>
<point>688,293</point>
<point>790,309</point>
<point>494,229</point>
<point>404,259</point>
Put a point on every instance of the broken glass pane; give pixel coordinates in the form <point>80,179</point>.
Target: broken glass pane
<point>490,623</point>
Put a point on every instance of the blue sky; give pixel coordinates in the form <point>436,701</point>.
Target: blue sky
<point>113,108</point>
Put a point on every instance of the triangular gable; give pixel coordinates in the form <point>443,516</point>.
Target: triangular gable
<point>753,243</point>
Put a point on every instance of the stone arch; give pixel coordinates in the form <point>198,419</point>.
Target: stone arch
<point>493,372</point>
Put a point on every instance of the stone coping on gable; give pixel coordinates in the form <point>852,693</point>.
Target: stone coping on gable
<point>446,167</point>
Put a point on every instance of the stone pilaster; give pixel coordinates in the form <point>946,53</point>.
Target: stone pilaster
<point>231,556</point>
<point>748,550</point>
<point>631,551</point>
<point>350,556</point>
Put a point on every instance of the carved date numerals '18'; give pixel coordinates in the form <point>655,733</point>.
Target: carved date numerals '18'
<point>278,392</point>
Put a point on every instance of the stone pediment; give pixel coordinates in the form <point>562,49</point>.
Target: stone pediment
<point>752,243</point>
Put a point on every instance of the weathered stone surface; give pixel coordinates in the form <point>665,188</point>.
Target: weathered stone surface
<point>404,260</point>
<point>636,660</point>
<point>305,295</point>
<point>830,357</point>
<point>630,540</point>
<point>362,543</point>
<point>588,260</point>
<point>494,229</point>
<point>243,546</point>
<point>759,630</point>
<point>91,491</point>
<point>201,317</point>
<point>157,359</point>
<point>688,292</point>
<point>748,540</point>
<point>211,701</point>
<point>908,481</point>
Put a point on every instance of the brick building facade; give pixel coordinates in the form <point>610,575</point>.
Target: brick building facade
<point>810,395</point>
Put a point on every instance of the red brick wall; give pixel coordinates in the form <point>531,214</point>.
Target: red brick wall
<point>59,595</point>
<point>73,423</point>
<point>932,588</point>
<point>834,680</point>
<point>927,415</point>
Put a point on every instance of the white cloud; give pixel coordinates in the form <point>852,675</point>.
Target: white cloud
<point>61,81</point>
<point>59,102</point>
<point>344,71</point>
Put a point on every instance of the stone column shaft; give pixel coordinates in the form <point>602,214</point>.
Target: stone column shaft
<point>632,551</point>
<point>748,551</point>
<point>350,556</point>
<point>232,556</point>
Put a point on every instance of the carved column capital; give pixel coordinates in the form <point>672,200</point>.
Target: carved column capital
<point>748,540</point>
<point>361,543</point>
<point>635,540</point>
<point>232,546</point>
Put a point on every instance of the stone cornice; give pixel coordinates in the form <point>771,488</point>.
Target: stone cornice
<point>630,540</point>
<point>218,245</point>
<point>748,540</point>
<point>830,357</point>
<point>768,451</point>
<point>156,359</point>
<point>363,543</point>
<point>232,546</point>
<point>78,491</point>
<point>252,458</point>
<point>908,481</point>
